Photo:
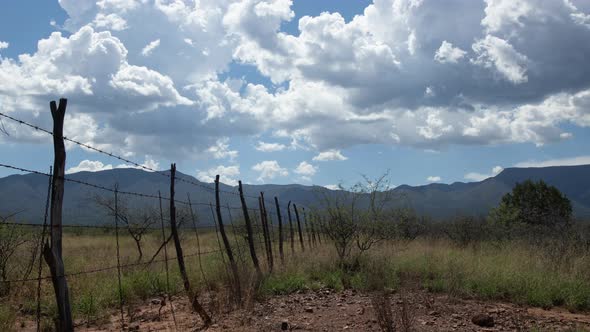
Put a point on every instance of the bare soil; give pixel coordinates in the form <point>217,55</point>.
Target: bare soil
<point>326,310</point>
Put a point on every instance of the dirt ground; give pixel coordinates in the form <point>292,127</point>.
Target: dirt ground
<point>326,310</point>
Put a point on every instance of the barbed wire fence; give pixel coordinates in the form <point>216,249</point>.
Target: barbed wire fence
<point>231,254</point>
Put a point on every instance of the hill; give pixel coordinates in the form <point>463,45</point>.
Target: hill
<point>27,192</point>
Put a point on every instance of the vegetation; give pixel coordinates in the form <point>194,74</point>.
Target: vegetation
<point>370,248</point>
<point>534,203</point>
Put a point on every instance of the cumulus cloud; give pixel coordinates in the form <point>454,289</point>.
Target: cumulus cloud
<point>227,174</point>
<point>270,147</point>
<point>3,45</point>
<point>89,166</point>
<point>433,179</point>
<point>333,187</point>
<point>221,150</point>
<point>305,170</point>
<point>399,73</point>
<point>149,48</point>
<point>269,169</point>
<point>447,53</point>
<point>572,161</point>
<point>329,155</point>
<point>501,55</point>
<point>474,176</point>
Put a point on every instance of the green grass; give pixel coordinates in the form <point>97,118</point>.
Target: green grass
<point>509,271</point>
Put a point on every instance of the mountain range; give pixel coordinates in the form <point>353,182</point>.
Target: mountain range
<point>27,193</point>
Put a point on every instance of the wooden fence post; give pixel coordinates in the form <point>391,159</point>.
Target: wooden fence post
<point>307,228</point>
<point>187,286</point>
<point>230,255</point>
<point>249,231</point>
<point>299,227</point>
<point>281,254</point>
<point>53,254</point>
<point>291,232</point>
<point>312,224</point>
<point>268,233</point>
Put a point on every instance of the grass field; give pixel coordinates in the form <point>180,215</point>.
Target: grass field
<point>512,271</point>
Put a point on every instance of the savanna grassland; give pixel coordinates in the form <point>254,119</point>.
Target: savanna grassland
<point>541,273</point>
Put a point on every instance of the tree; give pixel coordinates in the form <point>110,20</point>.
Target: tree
<point>137,221</point>
<point>534,203</point>
<point>357,217</point>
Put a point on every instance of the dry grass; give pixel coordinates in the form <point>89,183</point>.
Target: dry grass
<point>511,271</point>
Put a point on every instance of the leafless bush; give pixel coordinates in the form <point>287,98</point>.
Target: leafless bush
<point>405,316</point>
<point>18,252</point>
<point>383,312</point>
<point>136,221</point>
<point>356,219</point>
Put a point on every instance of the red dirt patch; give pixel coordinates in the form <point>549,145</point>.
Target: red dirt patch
<point>326,310</point>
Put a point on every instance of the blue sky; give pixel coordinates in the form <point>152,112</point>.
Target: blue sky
<point>305,92</point>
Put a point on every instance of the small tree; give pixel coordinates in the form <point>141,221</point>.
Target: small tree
<point>137,221</point>
<point>534,203</point>
<point>357,218</point>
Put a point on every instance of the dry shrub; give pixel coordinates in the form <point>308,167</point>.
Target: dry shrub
<point>405,316</point>
<point>383,311</point>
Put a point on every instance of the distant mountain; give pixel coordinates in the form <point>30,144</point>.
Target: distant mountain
<point>26,193</point>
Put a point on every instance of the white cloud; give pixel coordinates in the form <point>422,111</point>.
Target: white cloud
<point>221,150</point>
<point>270,147</point>
<point>572,161</point>
<point>269,169</point>
<point>372,79</point>
<point>227,174</point>
<point>473,176</point>
<point>89,166</point>
<point>329,155</point>
<point>111,22</point>
<point>149,48</point>
<point>333,187</point>
<point>3,45</point>
<point>306,170</point>
<point>447,53</point>
<point>433,179</point>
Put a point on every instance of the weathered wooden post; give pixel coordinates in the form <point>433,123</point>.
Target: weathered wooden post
<point>249,231</point>
<point>53,254</point>
<point>299,227</point>
<point>281,254</point>
<point>230,255</point>
<point>312,224</point>
<point>307,228</point>
<point>179,256</point>
<point>291,232</point>
<point>268,233</point>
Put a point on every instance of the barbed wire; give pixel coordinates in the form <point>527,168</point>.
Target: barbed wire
<point>128,193</point>
<point>126,160</point>
<point>114,267</point>
<point>108,268</point>
<point>112,155</point>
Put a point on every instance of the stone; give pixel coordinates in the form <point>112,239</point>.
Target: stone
<point>483,320</point>
<point>284,326</point>
<point>309,309</point>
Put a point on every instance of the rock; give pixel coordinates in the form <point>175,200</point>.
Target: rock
<point>156,301</point>
<point>309,309</point>
<point>284,326</point>
<point>483,320</point>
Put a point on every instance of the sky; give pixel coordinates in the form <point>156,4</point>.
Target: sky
<point>310,92</point>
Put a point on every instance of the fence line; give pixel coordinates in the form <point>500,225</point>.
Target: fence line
<point>112,155</point>
<point>264,225</point>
